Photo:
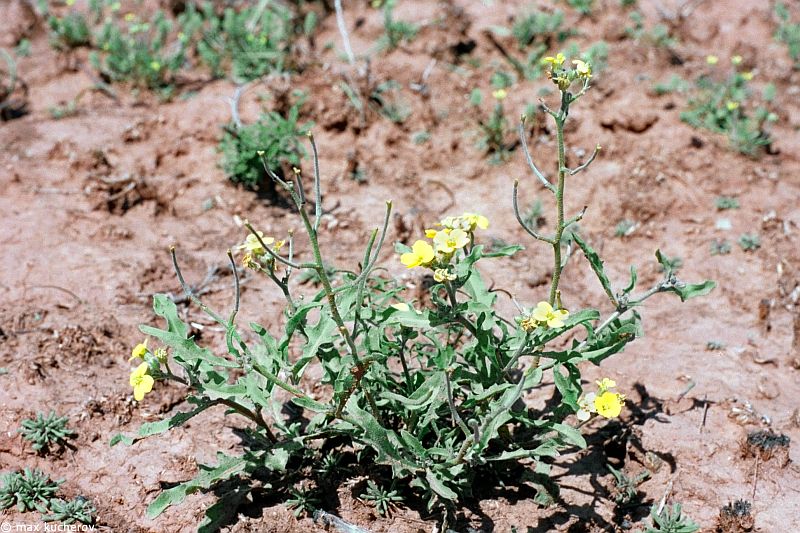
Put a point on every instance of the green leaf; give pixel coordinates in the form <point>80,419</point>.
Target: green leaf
<point>154,428</point>
<point>311,405</point>
<point>692,290</point>
<point>632,284</point>
<point>569,385</point>
<point>227,467</point>
<point>570,434</point>
<point>597,266</point>
<point>318,335</point>
<point>120,438</point>
<point>504,251</point>
<point>438,486</point>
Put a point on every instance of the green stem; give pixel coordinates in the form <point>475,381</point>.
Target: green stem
<point>559,118</point>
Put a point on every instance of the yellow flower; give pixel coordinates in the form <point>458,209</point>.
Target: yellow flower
<point>499,94</point>
<point>130,17</point>
<point>475,221</point>
<point>421,254</point>
<point>609,404</point>
<point>544,312</point>
<point>747,76</point>
<point>605,384</point>
<point>583,68</point>
<point>447,241</point>
<point>732,105</point>
<point>139,351</point>
<point>141,381</point>
<point>70,3</point>
<point>155,65</point>
<point>554,61</point>
<point>528,324</point>
<point>442,274</point>
<point>712,60</point>
<point>253,245</point>
<point>430,233</point>
<point>736,60</point>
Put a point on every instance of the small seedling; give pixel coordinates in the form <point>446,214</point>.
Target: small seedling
<point>68,512</point>
<point>303,501</point>
<point>396,32</point>
<point>23,48</point>
<point>494,130</point>
<point>715,346</point>
<point>420,137</point>
<point>28,490</point>
<point>657,36</point>
<point>624,228</point>
<point>584,7</point>
<point>626,487</point>
<point>750,242</point>
<point>70,31</point>
<point>788,32</point>
<point>382,499</point>
<point>670,521</point>
<point>726,202</point>
<point>720,247</point>
<point>675,84</point>
<point>46,432</point>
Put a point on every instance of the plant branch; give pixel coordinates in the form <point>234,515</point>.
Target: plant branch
<point>524,142</point>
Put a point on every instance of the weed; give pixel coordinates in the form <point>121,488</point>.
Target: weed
<point>69,512</point>
<point>382,499</point>
<point>722,107</point>
<point>657,36</point>
<point>726,202</point>
<point>303,501</point>
<point>70,31</point>
<point>46,432</point>
<point>420,137</point>
<point>788,32</point>
<point>274,137</point>
<point>670,521</point>
<point>494,131</point>
<point>389,103</point>
<point>28,490</point>
<point>625,228</point>
<point>626,487</point>
<point>750,242</point>
<point>670,264</point>
<point>720,247</point>
<point>23,48</point>
<point>675,84</point>
<point>584,7</point>
<point>396,32</point>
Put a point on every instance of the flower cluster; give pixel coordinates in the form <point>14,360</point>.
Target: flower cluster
<point>141,378</point>
<point>564,76</point>
<point>255,254</point>
<point>544,315</point>
<point>456,233</point>
<point>604,402</point>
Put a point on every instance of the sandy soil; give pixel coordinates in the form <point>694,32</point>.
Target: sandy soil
<point>82,256</point>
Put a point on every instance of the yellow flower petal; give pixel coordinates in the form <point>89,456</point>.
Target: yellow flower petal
<point>609,404</point>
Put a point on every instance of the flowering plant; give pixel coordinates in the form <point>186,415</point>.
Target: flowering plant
<point>428,391</point>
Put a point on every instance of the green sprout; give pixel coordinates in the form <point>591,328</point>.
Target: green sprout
<point>46,432</point>
<point>68,512</point>
<point>70,31</point>
<point>584,7</point>
<point>788,32</point>
<point>28,490</point>
<point>750,242</point>
<point>303,501</point>
<point>626,487</point>
<point>494,131</point>
<point>720,247</point>
<point>670,521</point>
<point>625,228</point>
<point>396,32</point>
<point>726,202</point>
<point>382,499</point>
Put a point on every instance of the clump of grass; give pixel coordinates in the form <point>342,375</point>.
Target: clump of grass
<point>726,202</point>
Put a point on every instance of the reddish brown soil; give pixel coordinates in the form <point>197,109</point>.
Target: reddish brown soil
<point>80,261</point>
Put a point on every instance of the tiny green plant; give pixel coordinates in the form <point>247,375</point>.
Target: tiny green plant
<point>495,130</point>
<point>726,202</point>
<point>71,511</point>
<point>584,7</point>
<point>720,247</point>
<point>670,520</point>
<point>69,31</point>
<point>273,136</point>
<point>788,32</point>
<point>675,84</point>
<point>624,228</point>
<point>48,433</point>
<point>382,499</point>
<point>396,32</point>
<point>535,33</point>
<point>27,490</point>
<point>626,487</point>
<point>303,501</point>
<point>723,106</point>
<point>750,242</point>
<point>139,52</point>
<point>425,391</point>
<point>657,36</point>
